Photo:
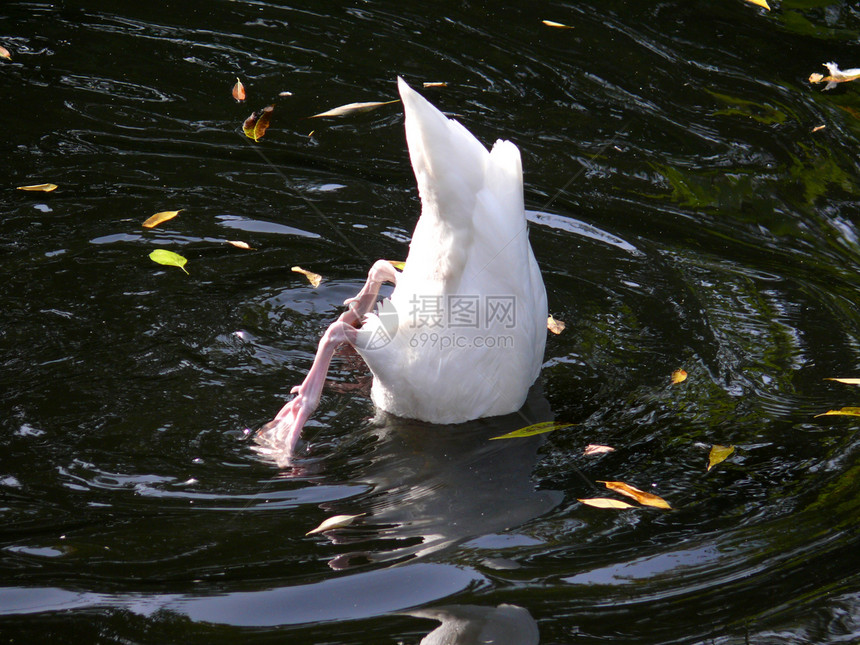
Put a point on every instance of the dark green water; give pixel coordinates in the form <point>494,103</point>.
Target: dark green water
<point>685,215</point>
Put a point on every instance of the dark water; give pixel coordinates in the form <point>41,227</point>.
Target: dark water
<point>685,215</point>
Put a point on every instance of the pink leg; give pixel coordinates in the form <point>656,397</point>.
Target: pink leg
<point>285,428</point>
<point>283,431</point>
<point>363,302</point>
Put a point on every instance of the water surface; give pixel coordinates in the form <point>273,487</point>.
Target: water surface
<point>684,214</point>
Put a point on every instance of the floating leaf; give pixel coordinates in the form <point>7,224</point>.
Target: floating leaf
<point>760,3</point>
<point>352,108</point>
<point>42,188</point>
<point>557,25</point>
<point>4,53</point>
<point>719,454</point>
<point>163,256</point>
<point>255,126</point>
<point>846,381</point>
<point>313,278</point>
<point>240,245</point>
<point>336,522</point>
<point>555,326</point>
<point>239,90</point>
<point>158,218</point>
<point>678,376</point>
<point>604,502</point>
<point>437,84</point>
<point>844,412</point>
<point>537,428</point>
<point>596,449</point>
<point>397,264</point>
<point>836,76</point>
<point>818,127</point>
<point>647,499</point>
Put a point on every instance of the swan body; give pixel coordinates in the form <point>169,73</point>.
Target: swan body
<point>462,335</point>
<point>458,352</point>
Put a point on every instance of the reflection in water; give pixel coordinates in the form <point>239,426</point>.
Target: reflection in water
<point>475,625</point>
<point>437,486</point>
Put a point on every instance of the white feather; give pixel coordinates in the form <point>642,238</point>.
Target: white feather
<point>470,245</point>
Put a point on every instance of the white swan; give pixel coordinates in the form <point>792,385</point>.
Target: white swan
<point>462,335</point>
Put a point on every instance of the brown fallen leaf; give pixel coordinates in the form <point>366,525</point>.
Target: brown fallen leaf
<point>760,3</point>
<point>678,376</point>
<point>844,412</point>
<point>604,502</point>
<point>313,278</point>
<point>646,499</point>
<point>241,245</point>
<point>255,126</point>
<point>557,25</point>
<point>719,454</point>
<point>4,53</point>
<point>436,84</point>
<point>555,326</point>
<point>353,108</point>
<point>836,76</point>
<point>42,188</point>
<point>336,522</point>
<point>596,449</point>
<point>846,381</point>
<point>818,127</point>
<point>158,218</point>
<point>239,90</point>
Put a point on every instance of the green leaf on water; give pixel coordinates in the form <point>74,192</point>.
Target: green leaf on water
<point>163,256</point>
<point>537,428</point>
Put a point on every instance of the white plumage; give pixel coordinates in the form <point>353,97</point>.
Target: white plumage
<point>464,332</point>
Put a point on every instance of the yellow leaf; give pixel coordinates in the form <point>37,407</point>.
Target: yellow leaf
<point>844,412</point>
<point>557,25</point>
<point>255,126</point>
<point>239,90</point>
<point>436,84</point>
<point>4,53</point>
<point>847,381</point>
<point>158,218</point>
<point>604,502</point>
<point>818,127</point>
<point>719,454</point>
<point>397,264</point>
<point>352,108</point>
<point>240,245</point>
<point>760,3</point>
<point>647,499</point>
<point>313,278</point>
<point>43,188</point>
<point>678,376</point>
<point>537,428</point>
<point>336,522</point>
<point>596,449</point>
<point>555,326</point>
